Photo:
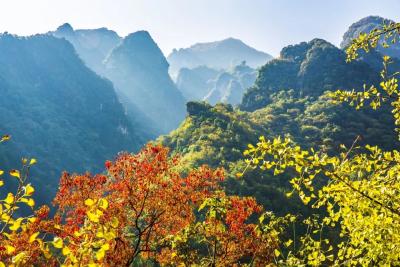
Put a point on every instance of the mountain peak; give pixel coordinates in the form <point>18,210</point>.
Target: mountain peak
<point>65,28</point>
<point>223,54</point>
<point>365,25</point>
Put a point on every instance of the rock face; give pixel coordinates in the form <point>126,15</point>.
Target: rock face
<point>230,86</point>
<point>138,70</point>
<point>218,55</point>
<point>195,83</point>
<point>58,111</point>
<point>365,25</point>
<point>92,45</point>
<point>309,68</point>
<point>203,83</point>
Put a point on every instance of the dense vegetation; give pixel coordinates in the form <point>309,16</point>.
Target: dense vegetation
<point>157,208</point>
<point>216,135</point>
<point>58,110</point>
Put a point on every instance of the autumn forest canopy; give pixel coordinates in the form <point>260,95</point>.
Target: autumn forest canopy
<point>112,154</point>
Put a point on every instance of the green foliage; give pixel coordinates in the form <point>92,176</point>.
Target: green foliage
<point>361,185</point>
<point>58,109</point>
<point>309,69</point>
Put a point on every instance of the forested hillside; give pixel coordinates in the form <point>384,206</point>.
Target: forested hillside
<point>58,110</point>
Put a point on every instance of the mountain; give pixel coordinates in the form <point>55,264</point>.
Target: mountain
<point>287,99</point>
<point>230,85</point>
<point>92,45</point>
<point>309,68</point>
<point>58,111</point>
<point>195,83</point>
<point>218,55</point>
<point>217,136</point>
<point>204,83</point>
<point>365,25</point>
<point>139,72</point>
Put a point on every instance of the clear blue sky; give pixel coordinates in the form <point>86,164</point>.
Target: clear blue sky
<point>267,25</point>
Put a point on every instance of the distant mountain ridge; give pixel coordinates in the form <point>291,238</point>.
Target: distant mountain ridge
<point>222,54</point>
<point>137,68</point>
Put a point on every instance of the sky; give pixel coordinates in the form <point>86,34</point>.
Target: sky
<point>266,25</point>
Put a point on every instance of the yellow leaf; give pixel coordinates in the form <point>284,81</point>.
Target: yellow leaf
<point>92,217</point>
<point>114,222</point>
<point>5,138</point>
<point>105,247</point>
<point>33,237</point>
<point>16,225</point>
<point>9,199</point>
<point>58,242</point>
<point>100,254</point>
<point>277,253</point>
<point>2,264</point>
<point>29,190</point>
<point>288,243</point>
<point>10,249</point>
<point>31,202</point>
<point>66,251</point>
<point>32,161</point>
<point>15,173</point>
<point>19,257</point>
<point>89,202</point>
<point>103,203</point>
<point>32,219</point>
<point>1,182</point>
<point>1,172</point>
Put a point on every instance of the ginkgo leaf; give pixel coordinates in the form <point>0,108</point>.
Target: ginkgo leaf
<point>103,203</point>
<point>31,202</point>
<point>29,190</point>
<point>15,173</point>
<point>32,219</point>
<point>66,251</point>
<point>9,199</point>
<point>57,242</point>
<point>100,254</point>
<point>92,217</point>
<point>1,172</point>
<point>89,202</point>
<point>1,182</point>
<point>19,257</point>
<point>2,264</point>
<point>9,249</point>
<point>277,253</point>
<point>5,138</point>
<point>16,224</point>
<point>32,161</point>
<point>33,237</point>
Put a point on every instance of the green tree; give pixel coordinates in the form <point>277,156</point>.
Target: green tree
<point>361,192</point>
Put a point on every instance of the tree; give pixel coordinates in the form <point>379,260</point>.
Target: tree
<point>361,187</point>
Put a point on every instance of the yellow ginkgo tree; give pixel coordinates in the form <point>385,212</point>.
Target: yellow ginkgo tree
<point>361,186</point>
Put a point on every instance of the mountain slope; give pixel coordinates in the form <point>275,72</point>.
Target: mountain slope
<point>58,111</point>
<point>139,71</point>
<point>218,55</point>
<point>203,83</point>
<point>309,69</point>
<point>92,45</point>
